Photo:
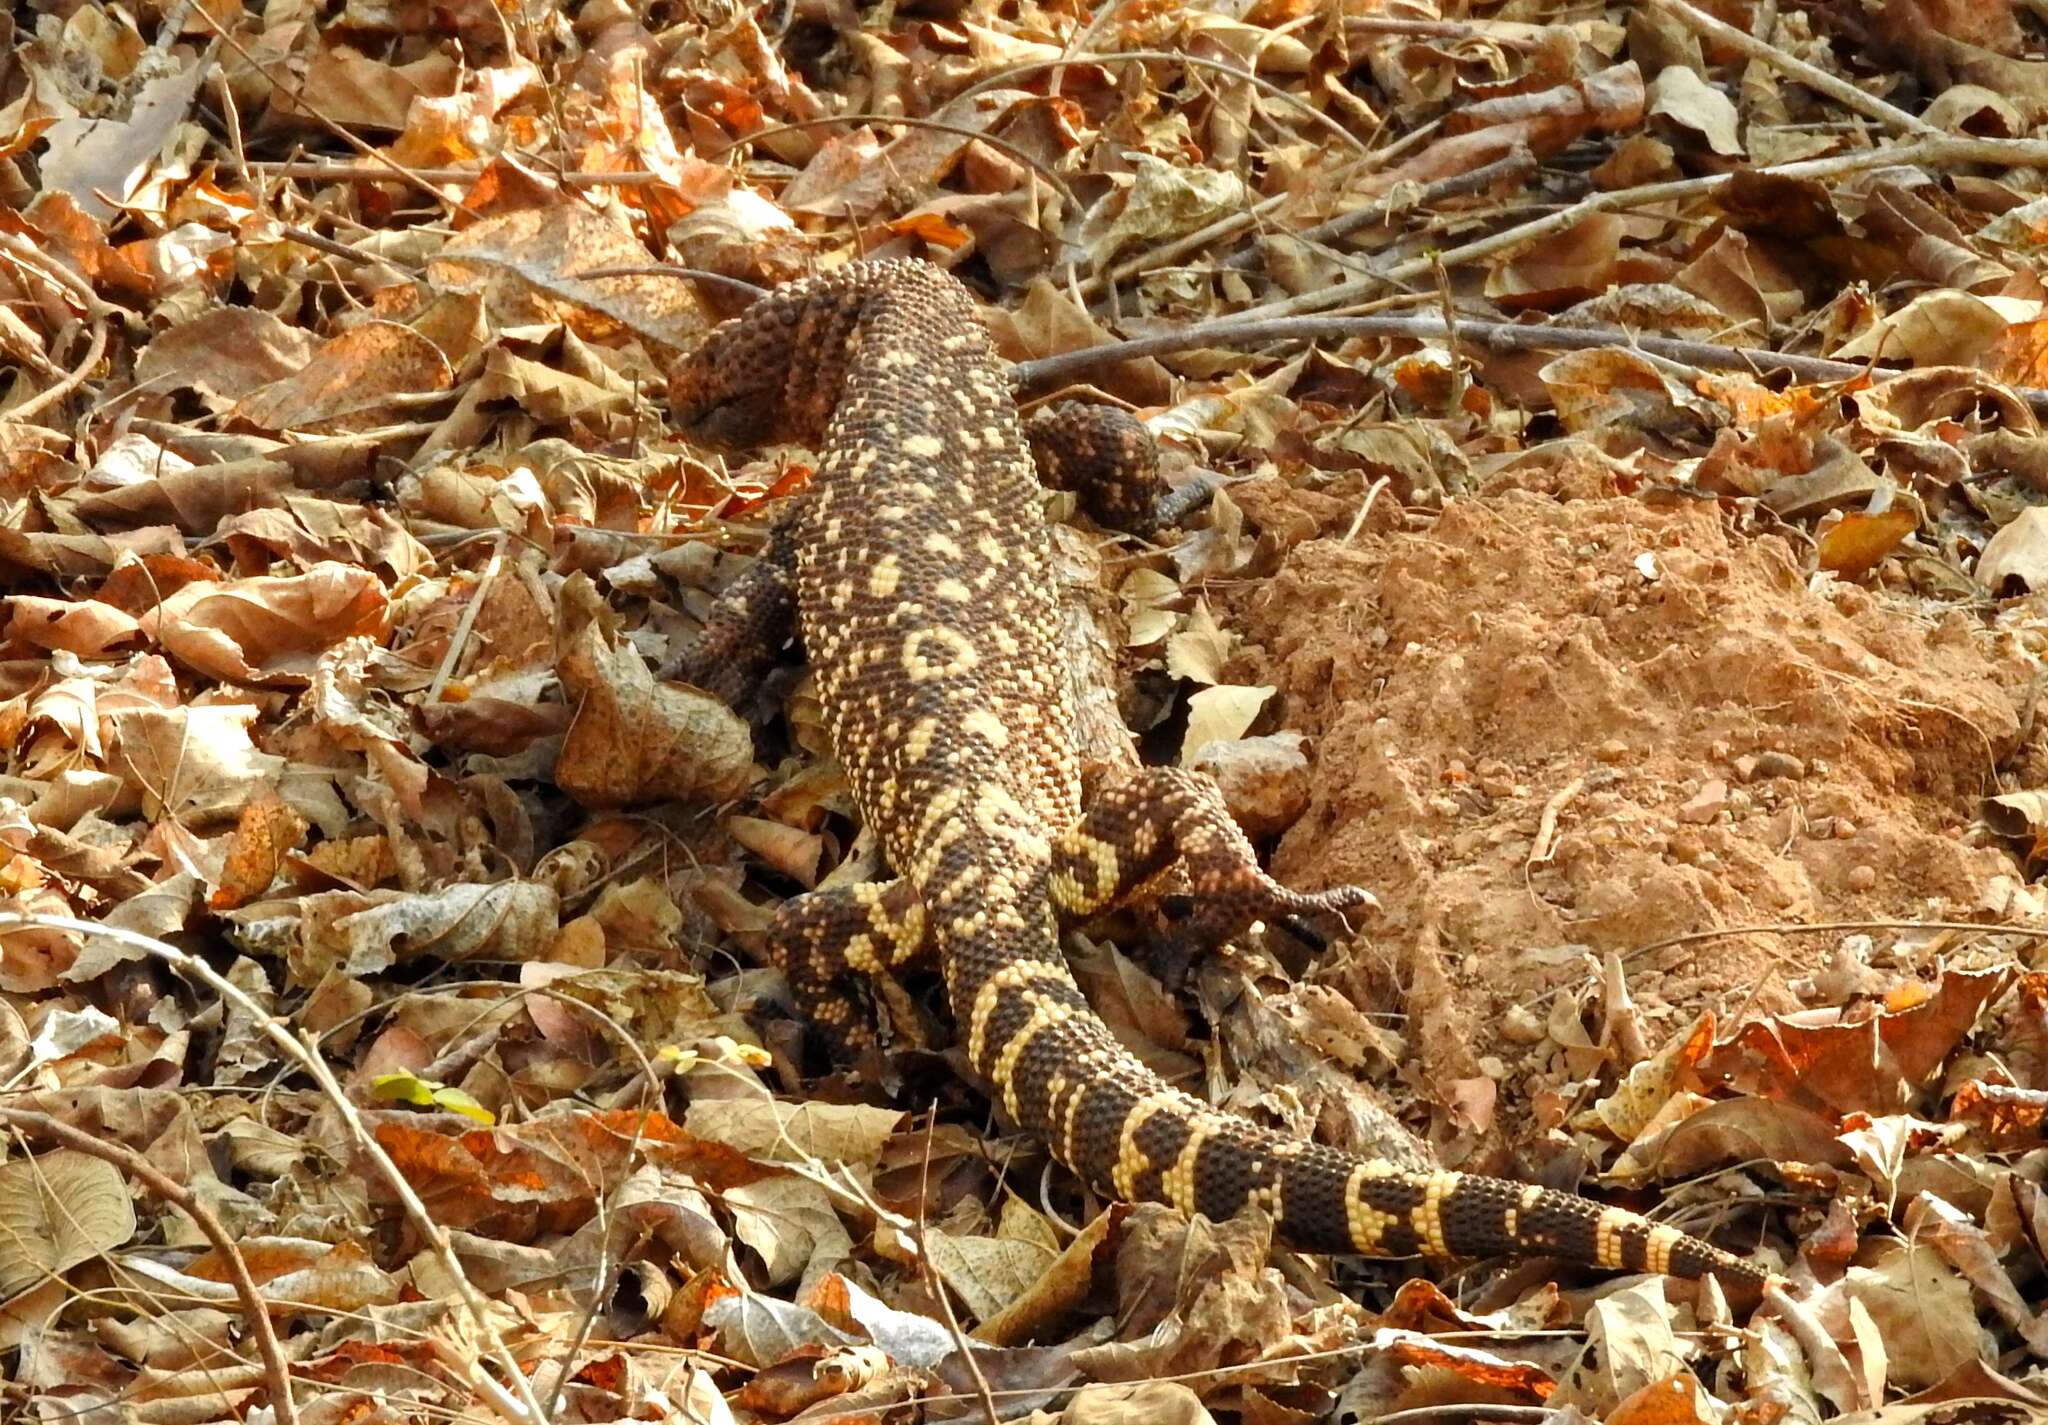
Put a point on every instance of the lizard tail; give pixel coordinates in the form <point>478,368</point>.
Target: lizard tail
<point>1061,1074</point>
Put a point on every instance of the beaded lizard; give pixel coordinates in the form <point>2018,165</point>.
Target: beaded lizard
<point>914,569</point>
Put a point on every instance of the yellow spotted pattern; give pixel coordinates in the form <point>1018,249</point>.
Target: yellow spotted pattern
<point>918,563</point>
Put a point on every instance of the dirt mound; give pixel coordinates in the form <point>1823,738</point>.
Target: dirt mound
<point>1554,721</point>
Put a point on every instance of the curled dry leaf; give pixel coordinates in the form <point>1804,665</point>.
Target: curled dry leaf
<point>636,740</point>
<point>1627,1111</point>
<point>1858,543</point>
<point>362,934</point>
<point>2016,559</point>
<point>267,630</point>
<point>1872,1064</point>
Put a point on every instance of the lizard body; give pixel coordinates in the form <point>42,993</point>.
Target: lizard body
<point>918,562</point>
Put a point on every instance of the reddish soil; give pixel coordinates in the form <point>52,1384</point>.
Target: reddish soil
<point>1560,720</point>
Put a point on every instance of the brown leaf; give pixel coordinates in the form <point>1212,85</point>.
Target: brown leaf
<point>1858,543</point>
<point>349,382</point>
<point>529,263</point>
<point>267,630</point>
<point>1872,1064</point>
<point>58,1209</point>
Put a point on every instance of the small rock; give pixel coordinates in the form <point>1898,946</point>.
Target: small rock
<point>1612,750</point>
<point>1265,780</point>
<point>1499,788</point>
<point>1862,878</point>
<point>1706,803</point>
<point>1445,807</point>
<point>1844,828</point>
<point>1745,767</point>
<point>1718,749</point>
<point>1779,764</point>
<point>1522,1025</point>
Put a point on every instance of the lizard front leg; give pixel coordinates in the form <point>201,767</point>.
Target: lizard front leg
<point>1160,816</point>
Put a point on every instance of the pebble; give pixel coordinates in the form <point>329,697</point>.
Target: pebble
<point>1612,750</point>
<point>1845,829</point>
<point>1706,804</point>
<point>1522,1025</point>
<point>1779,764</point>
<point>1862,878</point>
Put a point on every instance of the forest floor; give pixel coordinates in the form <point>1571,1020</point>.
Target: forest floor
<point>1627,557</point>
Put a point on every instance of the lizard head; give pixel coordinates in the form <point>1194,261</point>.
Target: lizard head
<point>725,395</point>
<point>771,374</point>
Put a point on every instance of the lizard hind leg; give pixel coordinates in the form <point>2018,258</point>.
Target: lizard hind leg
<point>746,627</point>
<point>1106,458</point>
<point>827,941</point>
<point>1160,816</point>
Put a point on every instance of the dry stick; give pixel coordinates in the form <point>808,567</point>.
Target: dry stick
<point>25,254</point>
<point>667,269</point>
<point>306,237</point>
<point>2010,153</point>
<point>1431,29</point>
<point>1154,258</point>
<point>513,1398</point>
<point>1497,336</point>
<point>1230,226</point>
<point>1517,163</point>
<point>1079,41</point>
<point>930,1273</point>
<point>276,1371</point>
<point>31,260</point>
<point>1840,90</point>
<point>1158,56</point>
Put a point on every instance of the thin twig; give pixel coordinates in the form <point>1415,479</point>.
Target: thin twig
<point>293,91</point>
<point>666,269</point>
<point>1840,90</point>
<point>342,172</point>
<point>1517,163</point>
<point>306,237</point>
<point>1819,927</point>
<point>930,1272</point>
<point>1830,927</point>
<point>1496,336</point>
<point>276,1371</point>
<point>26,255</point>
<point>35,405</point>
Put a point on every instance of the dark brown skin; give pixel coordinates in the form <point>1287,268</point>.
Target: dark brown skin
<point>925,606</point>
